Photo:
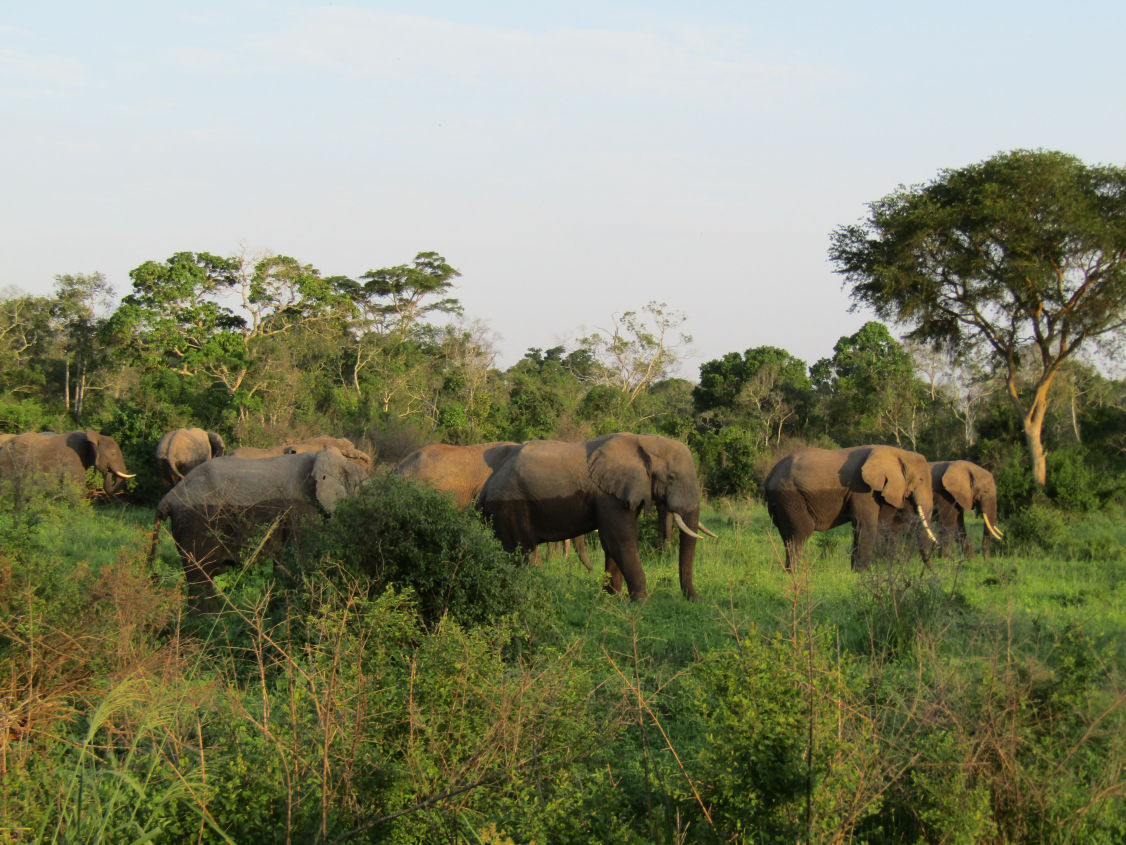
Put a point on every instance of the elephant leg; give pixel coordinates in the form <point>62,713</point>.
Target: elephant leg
<point>795,548</point>
<point>580,548</point>
<point>863,544</point>
<point>618,532</point>
<point>966,541</point>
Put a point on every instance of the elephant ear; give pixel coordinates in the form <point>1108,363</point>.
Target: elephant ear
<point>218,447</point>
<point>85,443</point>
<point>328,478</point>
<point>883,472</point>
<point>620,468</point>
<point>956,481</point>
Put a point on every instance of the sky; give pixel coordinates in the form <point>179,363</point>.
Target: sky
<point>573,160</point>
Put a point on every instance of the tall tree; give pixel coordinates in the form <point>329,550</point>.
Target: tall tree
<point>1022,253</point>
<point>80,301</point>
<point>868,389</point>
<point>639,349</point>
<point>765,388</point>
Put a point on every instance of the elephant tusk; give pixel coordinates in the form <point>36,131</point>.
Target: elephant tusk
<point>125,474</point>
<point>923,517</point>
<point>704,530</point>
<point>993,529</point>
<point>684,527</point>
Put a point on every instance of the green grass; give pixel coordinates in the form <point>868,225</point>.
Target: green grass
<point>987,697</point>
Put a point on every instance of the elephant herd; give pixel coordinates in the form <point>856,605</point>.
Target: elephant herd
<point>884,491</point>
<point>535,492</point>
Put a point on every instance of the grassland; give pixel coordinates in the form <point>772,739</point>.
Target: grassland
<point>965,700</point>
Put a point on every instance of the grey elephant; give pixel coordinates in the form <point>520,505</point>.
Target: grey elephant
<point>223,502</point>
<point>551,490</point>
<point>462,471</point>
<point>65,457</point>
<point>183,449</point>
<point>961,486</point>
<point>818,489</point>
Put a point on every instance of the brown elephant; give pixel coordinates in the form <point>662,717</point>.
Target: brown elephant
<point>551,490</point>
<point>961,486</point>
<point>65,457</point>
<point>309,444</point>
<point>462,471</point>
<point>224,501</point>
<point>182,450</point>
<point>818,489</point>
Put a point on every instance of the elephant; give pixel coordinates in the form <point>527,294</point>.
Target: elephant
<point>551,490</point>
<point>961,486</point>
<point>458,470</point>
<point>309,444</point>
<point>463,470</point>
<point>65,456</point>
<point>182,449</point>
<point>818,489</point>
<point>222,502</point>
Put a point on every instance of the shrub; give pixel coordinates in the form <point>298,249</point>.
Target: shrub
<point>1072,482</point>
<point>395,531</point>
<point>791,752</point>
<point>727,461</point>
<point>1037,526</point>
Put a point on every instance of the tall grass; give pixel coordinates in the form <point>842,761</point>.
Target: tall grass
<point>967,700</point>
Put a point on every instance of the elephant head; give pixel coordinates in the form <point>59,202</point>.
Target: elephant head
<point>972,488</point>
<point>101,452</point>
<point>643,470</point>
<point>903,479</point>
<point>336,476</point>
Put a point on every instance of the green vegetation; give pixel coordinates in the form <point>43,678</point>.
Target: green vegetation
<point>975,699</point>
<point>396,678</point>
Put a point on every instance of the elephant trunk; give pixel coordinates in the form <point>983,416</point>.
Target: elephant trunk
<point>988,510</point>
<point>688,523</point>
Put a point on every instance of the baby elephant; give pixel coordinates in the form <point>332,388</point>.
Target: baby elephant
<point>224,502</point>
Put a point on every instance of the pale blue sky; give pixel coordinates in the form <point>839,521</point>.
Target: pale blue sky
<point>573,160</point>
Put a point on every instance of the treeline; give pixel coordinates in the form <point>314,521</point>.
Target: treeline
<point>261,350</point>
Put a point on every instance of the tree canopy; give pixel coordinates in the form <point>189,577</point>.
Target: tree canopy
<point>1021,257</point>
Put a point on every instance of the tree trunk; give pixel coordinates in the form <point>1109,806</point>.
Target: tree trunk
<point>1036,453</point>
<point>1032,420</point>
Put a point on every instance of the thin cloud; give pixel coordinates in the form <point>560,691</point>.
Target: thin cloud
<point>33,76</point>
<point>690,63</point>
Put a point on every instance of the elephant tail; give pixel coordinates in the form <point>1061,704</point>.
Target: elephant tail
<point>154,539</point>
<point>162,511</point>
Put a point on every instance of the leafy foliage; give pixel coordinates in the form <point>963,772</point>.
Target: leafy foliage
<point>397,532</point>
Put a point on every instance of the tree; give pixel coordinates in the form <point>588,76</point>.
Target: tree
<point>637,350</point>
<point>78,299</point>
<point>1021,255</point>
<point>765,388</point>
<point>868,389</point>
<point>406,293</point>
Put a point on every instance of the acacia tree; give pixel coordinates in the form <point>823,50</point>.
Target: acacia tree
<point>1022,253</point>
<point>638,350</point>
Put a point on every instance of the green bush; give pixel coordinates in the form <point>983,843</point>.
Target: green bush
<point>395,531</point>
<point>790,751</point>
<point>1072,482</point>
<point>727,461</point>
